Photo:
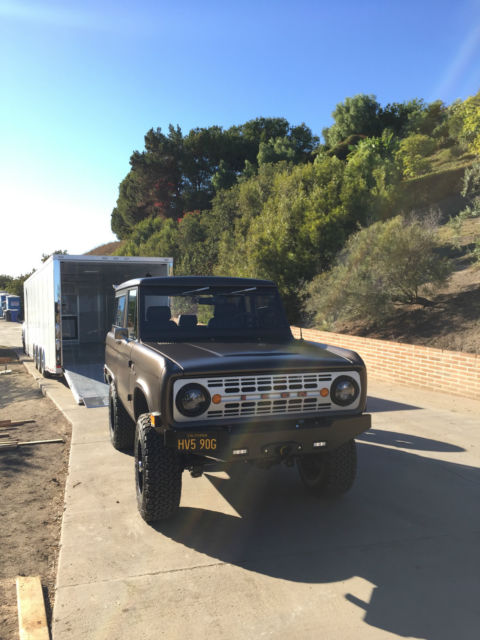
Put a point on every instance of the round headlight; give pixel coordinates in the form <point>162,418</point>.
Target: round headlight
<point>192,400</point>
<point>344,391</point>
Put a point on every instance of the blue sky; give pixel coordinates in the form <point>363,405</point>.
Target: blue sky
<point>81,83</point>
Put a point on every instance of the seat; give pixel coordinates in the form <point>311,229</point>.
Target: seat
<point>267,318</point>
<point>186,321</point>
<point>160,317</point>
<point>225,317</point>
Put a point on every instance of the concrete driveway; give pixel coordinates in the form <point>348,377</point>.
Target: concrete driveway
<point>251,555</point>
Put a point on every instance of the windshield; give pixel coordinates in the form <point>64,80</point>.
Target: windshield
<point>168,314</point>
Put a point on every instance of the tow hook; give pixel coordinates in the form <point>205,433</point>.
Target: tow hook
<point>196,472</point>
<point>285,451</point>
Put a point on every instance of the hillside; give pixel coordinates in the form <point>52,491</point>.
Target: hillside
<point>452,319</point>
<point>268,199</point>
<point>107,249</point>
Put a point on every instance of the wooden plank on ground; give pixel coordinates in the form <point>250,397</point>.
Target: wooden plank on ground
<point>16,423</point>
<point>14,444</point>
<point>32,620</point>
<point>53,441</point>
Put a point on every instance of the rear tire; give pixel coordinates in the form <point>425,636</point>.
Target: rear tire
<point>121,426</point>
<point>329,474</point>
<point>158,474</point>
<point>41,366</point>
<point>35,357</point>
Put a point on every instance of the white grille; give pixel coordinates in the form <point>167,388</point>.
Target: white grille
<point>275,394</point>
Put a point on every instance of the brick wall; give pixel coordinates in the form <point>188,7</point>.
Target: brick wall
<point>435,369</point>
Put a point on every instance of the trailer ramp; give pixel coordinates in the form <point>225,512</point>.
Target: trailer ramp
<point>83,370</point>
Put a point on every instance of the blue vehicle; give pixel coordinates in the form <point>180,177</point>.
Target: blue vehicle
<point>12,308</point>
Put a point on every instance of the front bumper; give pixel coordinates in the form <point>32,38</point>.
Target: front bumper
<point>263,442</point>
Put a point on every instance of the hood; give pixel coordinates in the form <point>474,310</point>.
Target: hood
<point>233,357</point>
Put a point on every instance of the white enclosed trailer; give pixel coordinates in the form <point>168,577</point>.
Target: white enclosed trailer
<point>69,310</point>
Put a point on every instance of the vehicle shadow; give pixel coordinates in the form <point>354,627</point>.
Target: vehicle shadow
<point>406,441</point>
<point>409,527</point>
<point>378,405</point>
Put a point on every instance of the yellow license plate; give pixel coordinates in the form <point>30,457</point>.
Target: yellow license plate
<point>196,444</point>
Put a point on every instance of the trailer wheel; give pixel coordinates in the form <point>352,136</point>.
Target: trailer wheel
<point>41,361</point>
<point>35,356</point>
<point>43,371</point>
<point>329,474</point>
<point>158,474</point>
<point>121,426</point>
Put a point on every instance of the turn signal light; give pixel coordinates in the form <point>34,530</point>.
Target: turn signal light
<point>217,398</point>
<point>324,392</point>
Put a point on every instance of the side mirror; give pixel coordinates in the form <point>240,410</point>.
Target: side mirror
<point>119,333</point>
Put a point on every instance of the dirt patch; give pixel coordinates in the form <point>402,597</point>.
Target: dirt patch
<point>451,322</point>
<point>33,484</point>
<point>450,319</point>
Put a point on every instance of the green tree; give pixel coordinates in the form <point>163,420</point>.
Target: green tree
<point>382,265</point>
<point>464,123</point>
<point>176,173</point>
<point>357,115</point>
<point>5,281</point>
<point>163,242</point>
<point>46,256</point>
<point>291,223</point>
<point>413,154</point>
<point>275,150</point>
<point>471,192</point>
<point>371,178</point>
<point>235,210</point>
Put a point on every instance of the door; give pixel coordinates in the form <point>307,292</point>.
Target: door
<point>132,328</point>
<point>70,314</point>
<point>118,352</point>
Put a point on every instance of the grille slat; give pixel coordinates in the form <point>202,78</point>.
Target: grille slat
<point>268,383</point>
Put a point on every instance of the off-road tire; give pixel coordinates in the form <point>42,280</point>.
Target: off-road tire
<point>158,474</point>
<point>121,426</point>
<point>329,474</point>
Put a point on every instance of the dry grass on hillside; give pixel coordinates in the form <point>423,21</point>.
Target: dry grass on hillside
<point>452,320</point>
<point>105,249</point>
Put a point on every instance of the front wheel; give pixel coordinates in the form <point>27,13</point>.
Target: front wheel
<point>329,474</point>
<point>158,474</point>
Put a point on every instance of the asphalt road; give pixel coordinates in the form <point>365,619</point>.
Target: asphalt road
<point>251,555</point>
